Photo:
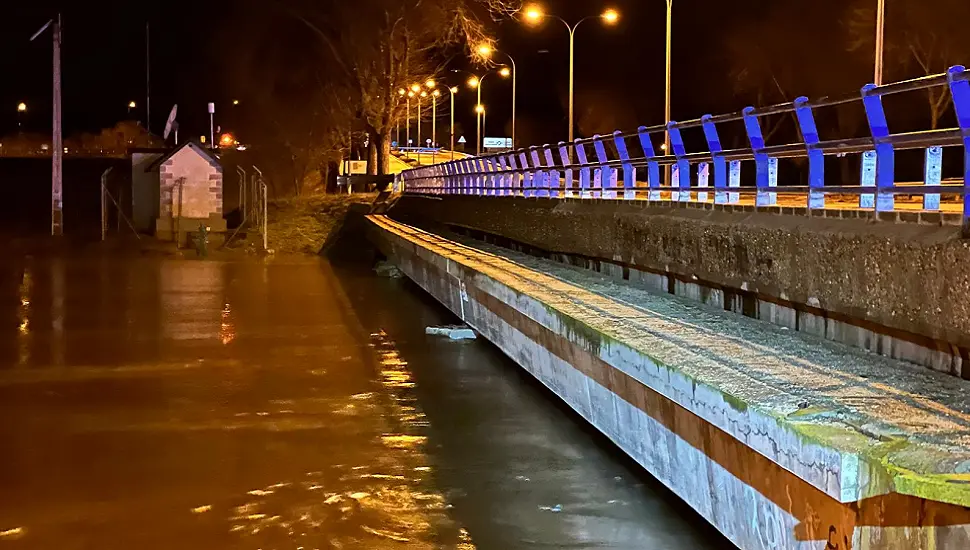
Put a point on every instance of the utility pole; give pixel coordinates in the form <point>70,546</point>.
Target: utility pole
<point>57,176</point>
<point>57,155</point>
<point>148,79</point>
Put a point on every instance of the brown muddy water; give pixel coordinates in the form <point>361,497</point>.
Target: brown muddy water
<point>162,403</point>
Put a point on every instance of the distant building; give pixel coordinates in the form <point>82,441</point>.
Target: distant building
<point>174,192</point>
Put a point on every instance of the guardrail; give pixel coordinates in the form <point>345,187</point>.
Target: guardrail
<point>549,171</point>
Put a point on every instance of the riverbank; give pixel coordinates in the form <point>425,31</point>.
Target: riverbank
<point>303,225</point>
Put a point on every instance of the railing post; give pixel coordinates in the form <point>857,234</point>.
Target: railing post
<point>680,174</point>
<point>720,165</point>
<point>515,181</point>
<point>541,184</point>
<point>568,171</point>
<point>816,157</point>
<point>460,183</point>
<point>653,167</point>
<point>885,153</point>
<point>629,172</point>
<point>494,177</point>
<point>703,180</point>
<point>452,181</point>
<point>583,170</point>
<point>867,178</point>
<point>552,174</point>
<point>959,81</point>
<point>766,175</point>
<point>607,174</point>
<point>527,182</point>
<point>734,181</point>
<point>506,178</point>
<point>932,176</point>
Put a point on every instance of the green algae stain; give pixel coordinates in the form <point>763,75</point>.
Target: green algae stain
<point>737,404</point>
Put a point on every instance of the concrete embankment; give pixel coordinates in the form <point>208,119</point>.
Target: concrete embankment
<point>779,439</point>
<point>897,287</point>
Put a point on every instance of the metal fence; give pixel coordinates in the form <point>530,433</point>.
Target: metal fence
<point>626,166</point>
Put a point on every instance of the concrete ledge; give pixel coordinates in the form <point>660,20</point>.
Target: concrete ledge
<point>779,440</point>
<point>896,289</point>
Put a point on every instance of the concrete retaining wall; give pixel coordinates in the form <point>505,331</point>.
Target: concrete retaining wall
<point>709,448</point>
<point>894,288</point>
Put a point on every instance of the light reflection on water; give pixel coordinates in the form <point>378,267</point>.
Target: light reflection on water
<point>242,405</point>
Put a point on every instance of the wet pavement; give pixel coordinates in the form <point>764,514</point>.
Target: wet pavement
<point>151,403</point>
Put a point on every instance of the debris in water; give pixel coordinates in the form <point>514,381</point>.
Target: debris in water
<point>554,509</point>
<point>389,270</point>
<point>522,478</point>
<point>455,332</point>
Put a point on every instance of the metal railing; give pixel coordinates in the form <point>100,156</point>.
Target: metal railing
<point>549,171</point>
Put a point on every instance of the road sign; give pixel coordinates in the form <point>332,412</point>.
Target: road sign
<point>497,143</point>
<point>462,140</point>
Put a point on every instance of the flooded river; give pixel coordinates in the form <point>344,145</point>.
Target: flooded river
<point>155,403</point>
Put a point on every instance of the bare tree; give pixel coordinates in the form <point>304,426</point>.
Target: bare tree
<point>921,39</point>
<point>381,48</point>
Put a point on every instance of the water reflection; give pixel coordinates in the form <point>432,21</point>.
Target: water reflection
<point>279,405</point>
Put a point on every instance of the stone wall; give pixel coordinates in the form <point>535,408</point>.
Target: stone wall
<point>895,288</point>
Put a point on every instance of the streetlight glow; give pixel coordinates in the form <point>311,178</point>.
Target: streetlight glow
<point>485,50</point>
<point>132,105</point>
<point>424,93</point>
<point>22,108</point>
<point>473,82</point>
<point>410,94</point>
<point>415,87</point>
<point>430,83</point>
<point>402,91</point>
<point>235,102</point>
<point>479,108</point>
<point>533,14</point>
<point>611,16</point>
<point>436,93</point>
<point>453,89</point>
<point>505,72</point>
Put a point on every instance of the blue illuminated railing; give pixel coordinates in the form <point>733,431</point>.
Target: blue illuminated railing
<point>603,166</point>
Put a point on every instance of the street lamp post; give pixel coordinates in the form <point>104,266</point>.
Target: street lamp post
<point>536,15</point>
<point>410,95</point>
<point>487,51</point>
<point>21,110</point>
<point>476,82</point>
<point>451,92</point>
<point>131,105</point>
<point>880,38</point>
<point>670,10</point>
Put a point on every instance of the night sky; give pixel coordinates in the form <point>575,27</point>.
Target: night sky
<point>619,69</point>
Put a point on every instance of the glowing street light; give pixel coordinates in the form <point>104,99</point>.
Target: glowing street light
<point>479,108</point>
<point>415,88</point>
<point>534,15</point>
<point>505,72</point>
<point>235,102</point>
<point>430,83</point>
<point>473,82</point>
<point>22,107</point>
<point>132,105</point>
<point>485,50</point>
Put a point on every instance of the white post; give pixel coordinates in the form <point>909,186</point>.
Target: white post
<point>212,127</point>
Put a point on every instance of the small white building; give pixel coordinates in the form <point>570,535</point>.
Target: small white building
<point>183,190</point>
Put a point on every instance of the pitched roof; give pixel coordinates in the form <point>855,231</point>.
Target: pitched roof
<point>198,148</point>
